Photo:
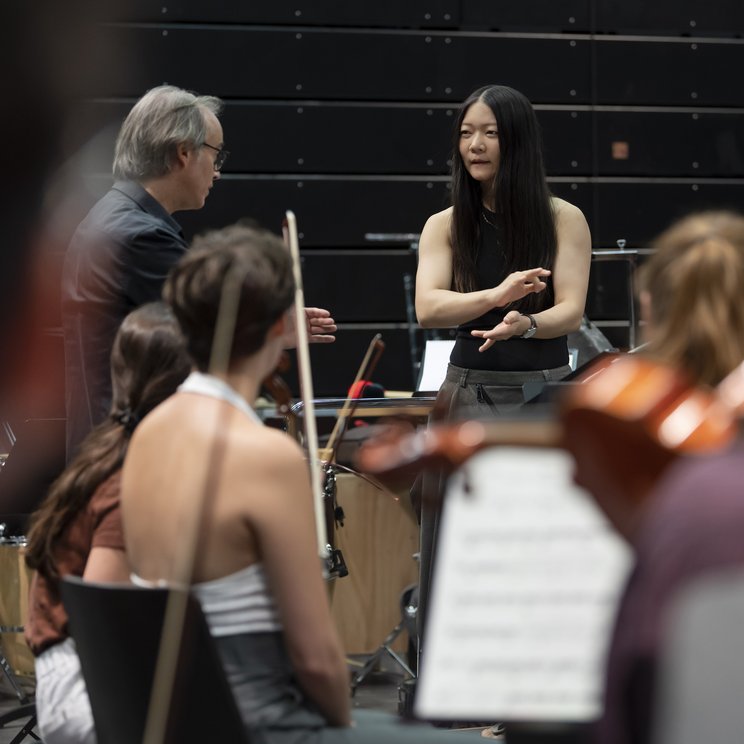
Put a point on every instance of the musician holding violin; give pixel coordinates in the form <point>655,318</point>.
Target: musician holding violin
<point>203,464</point>
<point>661,454</point>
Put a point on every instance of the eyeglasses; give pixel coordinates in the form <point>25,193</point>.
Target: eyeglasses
<point>221,157</point>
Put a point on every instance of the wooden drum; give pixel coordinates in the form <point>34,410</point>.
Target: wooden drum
<point>15,578</point>
<point>378,540</point>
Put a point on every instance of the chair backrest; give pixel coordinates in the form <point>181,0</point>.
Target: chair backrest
<point>117,630</point>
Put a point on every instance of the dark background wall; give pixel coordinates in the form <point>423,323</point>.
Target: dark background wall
<point>342,112</point>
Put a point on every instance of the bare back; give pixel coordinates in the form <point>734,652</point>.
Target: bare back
<point>191,448</point>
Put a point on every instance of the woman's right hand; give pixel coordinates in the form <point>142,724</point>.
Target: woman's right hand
<point>519,284</point>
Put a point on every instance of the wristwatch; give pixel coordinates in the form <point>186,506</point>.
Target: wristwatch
<point>532,330</point>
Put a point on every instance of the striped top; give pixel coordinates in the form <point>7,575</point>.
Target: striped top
<point>237,603</point>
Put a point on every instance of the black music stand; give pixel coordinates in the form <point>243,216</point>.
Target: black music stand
<point>408,612</point>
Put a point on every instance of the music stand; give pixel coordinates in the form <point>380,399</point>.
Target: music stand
<point>526,579</point>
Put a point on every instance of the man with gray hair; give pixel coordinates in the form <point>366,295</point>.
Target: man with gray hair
<point>168,155</point>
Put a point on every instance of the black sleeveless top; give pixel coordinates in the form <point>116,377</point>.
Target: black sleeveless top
<point>514,354</point>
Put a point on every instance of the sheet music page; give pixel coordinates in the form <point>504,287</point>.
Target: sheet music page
<point>527,577</point>
<point>434,364</point>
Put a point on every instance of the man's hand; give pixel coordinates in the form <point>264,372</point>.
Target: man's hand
<point>320,328</point>
<point>320,325</point>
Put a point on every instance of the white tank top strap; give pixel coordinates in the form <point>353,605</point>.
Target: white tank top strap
<point>214,387</point>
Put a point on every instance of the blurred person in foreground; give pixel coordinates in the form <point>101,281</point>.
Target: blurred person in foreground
<point>689,521</point>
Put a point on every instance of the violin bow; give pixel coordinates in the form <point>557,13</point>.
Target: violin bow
<point>289,230</point>
<point>372,356</point>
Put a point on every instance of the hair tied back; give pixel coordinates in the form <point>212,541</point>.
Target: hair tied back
<point>127,418</point>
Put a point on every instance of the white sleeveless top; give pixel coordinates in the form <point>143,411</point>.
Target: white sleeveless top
<point>239,602</point>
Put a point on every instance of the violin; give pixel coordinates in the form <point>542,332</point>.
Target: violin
<point>629,422</point>
<point>278,389</point>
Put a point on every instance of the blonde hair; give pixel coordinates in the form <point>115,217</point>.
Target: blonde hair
<point>695,283</point>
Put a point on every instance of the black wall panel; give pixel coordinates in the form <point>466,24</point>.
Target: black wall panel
<point>527,15</point>
<point>672,73</point>
<point>358,286</point>
<point>670,143</point>
<point>567,142</point>
<point>392,66</point>
<point>335,365</point>
<point>329,212</point>
<point>323,138</point>
<point>385,13</point>
<point>338,213</point>
<point>721,17</point>
<point>608,296</point>
<point>638,211</point>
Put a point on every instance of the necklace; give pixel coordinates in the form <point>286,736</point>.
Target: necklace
<point>486,214</point>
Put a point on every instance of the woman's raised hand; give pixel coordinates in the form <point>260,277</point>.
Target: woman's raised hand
<point>519,284</point>
<point>509,326</point>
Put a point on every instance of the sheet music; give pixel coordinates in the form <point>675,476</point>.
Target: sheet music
<point>434,364</point>
<point>528,573</point>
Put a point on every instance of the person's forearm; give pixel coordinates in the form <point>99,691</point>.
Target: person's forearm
<point>557,320</point>
<point>329,691</point>
<point>442,308</point>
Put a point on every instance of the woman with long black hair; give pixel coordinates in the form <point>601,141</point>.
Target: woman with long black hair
<point>507,263</point>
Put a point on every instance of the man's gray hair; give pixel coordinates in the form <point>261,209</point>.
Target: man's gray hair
<point>164,118</point>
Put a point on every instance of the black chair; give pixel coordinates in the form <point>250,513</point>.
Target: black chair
<point>117,631</point>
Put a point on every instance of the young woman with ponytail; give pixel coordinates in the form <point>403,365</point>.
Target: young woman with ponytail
<point>691,296</point>
<point>77,530</point>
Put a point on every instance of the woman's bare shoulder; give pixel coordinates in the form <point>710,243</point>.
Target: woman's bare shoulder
<point>262,448</point>
<point>441,219</point>
<point>565,210</point>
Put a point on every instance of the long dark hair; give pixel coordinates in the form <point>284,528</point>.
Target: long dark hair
<point>523,202</point>
<point>148,361</point>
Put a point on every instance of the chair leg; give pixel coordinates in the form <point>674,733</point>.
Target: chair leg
<point>23,699</point>
<point>26,707</point>
<point>26,730</point>
<point>27,710</point>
